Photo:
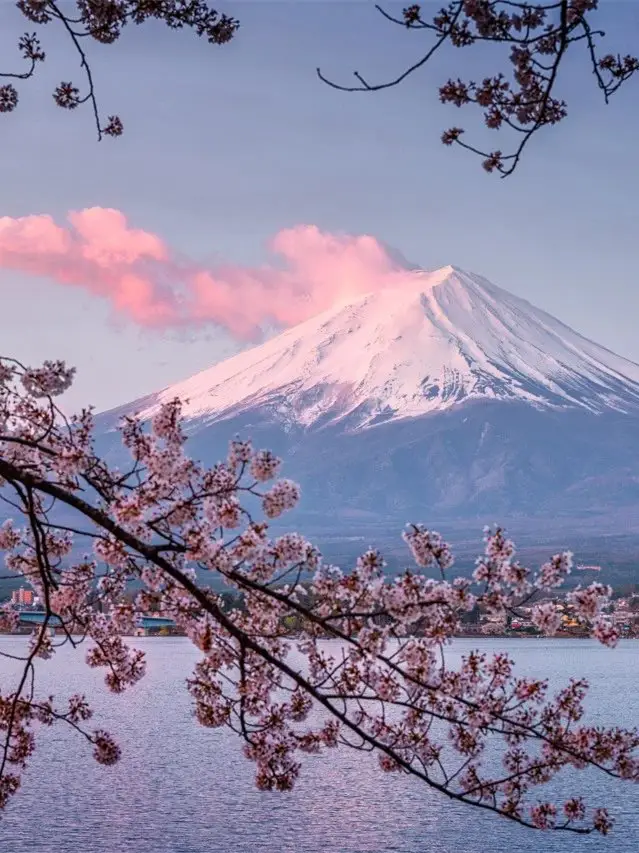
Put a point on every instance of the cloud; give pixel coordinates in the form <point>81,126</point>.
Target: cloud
<point>145,281</point>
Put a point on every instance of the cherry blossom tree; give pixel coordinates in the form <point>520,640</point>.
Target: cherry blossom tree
<point>102,21</point>
<point>374,674</point>
<point>536,38</point>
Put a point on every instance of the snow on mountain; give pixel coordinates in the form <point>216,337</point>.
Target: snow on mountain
<point>449,338</point>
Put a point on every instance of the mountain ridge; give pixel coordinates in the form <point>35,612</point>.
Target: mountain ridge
<point>450,337</point>
<point>450,399</point>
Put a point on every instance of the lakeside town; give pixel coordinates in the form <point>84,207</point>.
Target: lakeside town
<point>622,613</point>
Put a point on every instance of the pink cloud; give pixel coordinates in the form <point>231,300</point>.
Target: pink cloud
<point>136,271</point>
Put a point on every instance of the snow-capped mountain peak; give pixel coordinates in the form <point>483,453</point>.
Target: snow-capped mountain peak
<point>447,338</point>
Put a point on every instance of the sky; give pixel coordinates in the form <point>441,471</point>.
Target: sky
<point>239,170</point>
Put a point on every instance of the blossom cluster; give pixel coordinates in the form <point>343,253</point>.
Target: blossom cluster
<point>539,34</point>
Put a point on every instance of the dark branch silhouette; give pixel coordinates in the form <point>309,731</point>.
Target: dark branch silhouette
<point>103,21</point>
<point>539,36</point>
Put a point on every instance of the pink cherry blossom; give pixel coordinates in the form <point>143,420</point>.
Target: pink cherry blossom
<point>383,684</point>
<point>546,617</point>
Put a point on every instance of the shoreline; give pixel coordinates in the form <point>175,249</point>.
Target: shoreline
<point>470,635</point>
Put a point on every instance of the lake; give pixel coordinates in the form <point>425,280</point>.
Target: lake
<point>180,788</point>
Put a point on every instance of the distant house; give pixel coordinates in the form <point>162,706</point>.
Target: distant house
<point>23,597</point>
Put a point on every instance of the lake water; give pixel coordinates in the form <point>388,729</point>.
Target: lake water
<point>182,789</point>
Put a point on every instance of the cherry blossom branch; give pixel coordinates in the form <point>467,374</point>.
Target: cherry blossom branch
<point>389,690</point>
<point>539,35</point>
<point>103,21</point>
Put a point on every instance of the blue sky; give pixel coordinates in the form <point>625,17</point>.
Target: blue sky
<point>226,146</point>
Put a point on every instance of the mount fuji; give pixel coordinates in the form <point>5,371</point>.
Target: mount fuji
<point>448,397</point>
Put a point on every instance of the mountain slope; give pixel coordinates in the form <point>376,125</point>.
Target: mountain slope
<point>450,337</point>
<point>447,398</point>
